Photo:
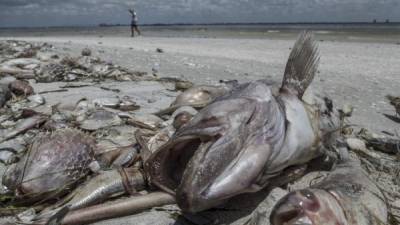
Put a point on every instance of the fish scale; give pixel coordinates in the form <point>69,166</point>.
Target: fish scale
<point>54,161</point>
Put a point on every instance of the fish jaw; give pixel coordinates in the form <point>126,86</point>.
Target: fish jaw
<point>225,149</point>
<point>308,207</point>
<point>201,189</point>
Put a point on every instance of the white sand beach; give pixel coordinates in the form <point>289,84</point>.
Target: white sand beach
<point>350,72</point>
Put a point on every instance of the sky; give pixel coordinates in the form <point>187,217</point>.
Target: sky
<point>14,13</point>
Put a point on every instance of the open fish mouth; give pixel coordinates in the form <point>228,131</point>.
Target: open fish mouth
<point>166,167</point>
<point>175,169</point>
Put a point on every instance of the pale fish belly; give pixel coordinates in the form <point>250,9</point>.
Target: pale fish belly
<point>301,138</point>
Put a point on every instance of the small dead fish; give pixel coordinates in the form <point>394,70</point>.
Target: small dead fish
<point>20,68</point>
<point>53,163</point>
<point>346,196</point>
<point>243,139</point>
<point>106,184</point>
<point>147,121</point>
<point>22,126</point>
<point>5,95</point>
<point>100,119</point>
<point>20,87</point>
<point>196,97</point>
<point>395,102</point>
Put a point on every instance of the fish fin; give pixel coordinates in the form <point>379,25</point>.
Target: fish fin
<point>301,65</point>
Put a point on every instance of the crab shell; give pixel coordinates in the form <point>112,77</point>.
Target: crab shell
<point>54,162</point>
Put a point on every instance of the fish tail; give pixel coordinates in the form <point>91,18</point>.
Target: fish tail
<point>301,65</point>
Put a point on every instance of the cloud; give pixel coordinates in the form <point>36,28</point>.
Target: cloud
<point>89,12</point>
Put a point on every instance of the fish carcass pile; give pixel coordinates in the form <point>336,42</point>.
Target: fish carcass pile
<point>83,159</point>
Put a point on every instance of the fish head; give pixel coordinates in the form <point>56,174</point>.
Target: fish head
<point>218,154</point>
<point>308,207</point>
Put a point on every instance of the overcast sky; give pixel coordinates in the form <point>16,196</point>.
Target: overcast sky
<point>93,12</point>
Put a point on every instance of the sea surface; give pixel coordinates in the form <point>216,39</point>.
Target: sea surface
<point>359,32</point>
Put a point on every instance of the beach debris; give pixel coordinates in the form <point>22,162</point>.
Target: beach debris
<point>86,52</point>
<point>22,126</point>
<point>380,142</point>
<point>5,95</point>
<point>100,119</point>
<point>119,208</point>
<point>20,87</point>
<point>106,184</point>
<point>196,97</point>
<point>183,85</point>
<point>147,121</point>
<point>395,102</point>
<point>179,150</point>
<point>346,196</point>
<point>213,150</point>
<point>21,68</point>
<point>54,162</point>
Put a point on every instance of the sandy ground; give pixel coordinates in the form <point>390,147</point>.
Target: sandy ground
<point>359,74</point>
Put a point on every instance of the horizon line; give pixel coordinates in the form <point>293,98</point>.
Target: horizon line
<point>207,24</point>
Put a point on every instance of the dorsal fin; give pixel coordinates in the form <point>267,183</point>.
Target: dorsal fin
<point>301,65</point>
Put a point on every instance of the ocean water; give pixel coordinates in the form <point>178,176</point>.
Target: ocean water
<point>341,32</point>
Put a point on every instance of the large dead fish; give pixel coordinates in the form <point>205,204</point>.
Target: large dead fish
<point>347,197</point>
<point>54,163</point>
<point>242,139</point>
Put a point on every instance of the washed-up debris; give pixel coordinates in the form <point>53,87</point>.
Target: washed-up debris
<point>86,52</point>
<point>395,102</point>
<point>249,122</point>
<point>5,94</point>
<point>54,163</point>
<point>346,196</point>
<point>66,162</point>
<point>19,87</point>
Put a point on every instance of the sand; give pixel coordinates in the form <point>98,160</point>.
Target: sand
<point>355,73</point>
<point>351,72</point>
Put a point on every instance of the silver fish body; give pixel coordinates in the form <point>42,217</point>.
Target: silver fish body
<point>242,139</point>
<point>346,196</point>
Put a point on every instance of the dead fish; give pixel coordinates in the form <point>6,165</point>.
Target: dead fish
<point>196,97</point>
<point>347,196</point>
<point>381,142</point>
<point>105,185</point>
<point>22,68</point>
<point>243,139</point>
<point>395,102</point>
<point>22,126</point>
<point>147,121</point>
<point>20,87</point>
<point>5,95</point>
<point>53,163</point>
<point>100,119</point>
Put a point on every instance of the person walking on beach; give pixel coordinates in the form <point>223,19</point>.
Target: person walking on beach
<point>134,23</point>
